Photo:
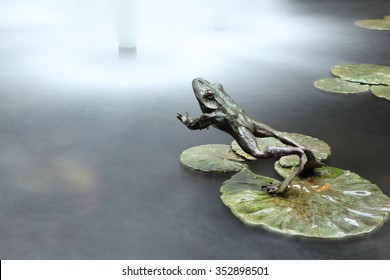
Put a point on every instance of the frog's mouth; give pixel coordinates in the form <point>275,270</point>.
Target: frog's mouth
<point>204,108</point>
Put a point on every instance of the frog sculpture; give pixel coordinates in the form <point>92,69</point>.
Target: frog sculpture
<point>219,110</point>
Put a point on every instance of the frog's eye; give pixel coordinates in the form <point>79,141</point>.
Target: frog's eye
<point>209,93</point>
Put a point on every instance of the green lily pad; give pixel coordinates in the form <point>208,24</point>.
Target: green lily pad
<point>212,158</point>
<point>378,24</point>
<point>363,73</point>
<point>283,169</point>
<point>332,203</point>
<point>381,91</point>
<point>320,149</point>
<point>338,85</point>
<point>289,161</point>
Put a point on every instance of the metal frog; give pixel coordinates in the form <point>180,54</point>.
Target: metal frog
<point>219,110</point>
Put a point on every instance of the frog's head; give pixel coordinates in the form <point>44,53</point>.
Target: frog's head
<point>209,95</point>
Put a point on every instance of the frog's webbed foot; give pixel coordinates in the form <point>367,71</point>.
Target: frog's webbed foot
<point>272,188</point>
<point>276,188</point>
<point>200,122</point>
<point>183,118</point>
<point>191,123</point>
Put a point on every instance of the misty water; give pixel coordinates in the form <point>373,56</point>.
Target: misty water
<point>90,143</point>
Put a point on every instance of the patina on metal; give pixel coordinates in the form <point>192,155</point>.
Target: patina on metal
<point>219,110</point>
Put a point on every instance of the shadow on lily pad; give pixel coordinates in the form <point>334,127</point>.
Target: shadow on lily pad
<point>332,203</point>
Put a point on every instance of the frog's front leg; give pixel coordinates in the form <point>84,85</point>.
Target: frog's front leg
<point>200,122</point>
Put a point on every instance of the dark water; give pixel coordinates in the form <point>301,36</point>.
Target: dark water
<point>91,172</point>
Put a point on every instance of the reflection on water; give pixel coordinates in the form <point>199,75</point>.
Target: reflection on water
<point>45,174</point>
<point>127,53</point>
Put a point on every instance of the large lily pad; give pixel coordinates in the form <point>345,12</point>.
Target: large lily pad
<point>320,149</point>
<point>378,24</point>
<point>212,158</point>
<point>381,91</point>
<point>338,85</point>
<point>363,73</point>
<point>332,203</point>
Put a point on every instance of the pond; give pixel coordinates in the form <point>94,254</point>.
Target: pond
<point>90,166</point>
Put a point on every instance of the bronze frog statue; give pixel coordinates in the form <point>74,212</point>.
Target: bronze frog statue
<point>220,111</point>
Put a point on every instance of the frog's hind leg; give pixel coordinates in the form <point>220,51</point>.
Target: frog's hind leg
<point>284,151</point>
<point>263,130</point>
<point>247,142</point>
<point>311,163</point>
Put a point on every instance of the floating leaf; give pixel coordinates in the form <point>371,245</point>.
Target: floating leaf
<point>381,91</point>
<point>320,149</point>
<point>363,73</point>
<point>338,85</point>
<point>212,158</point>
<point>378,24</point>
<point>332,203</point>
<point>289,161</point>
<point>282,169</point>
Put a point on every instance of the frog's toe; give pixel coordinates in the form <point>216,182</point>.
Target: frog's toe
<point>272,188</point>
<point>277,188</point>
<point>182,117</point>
